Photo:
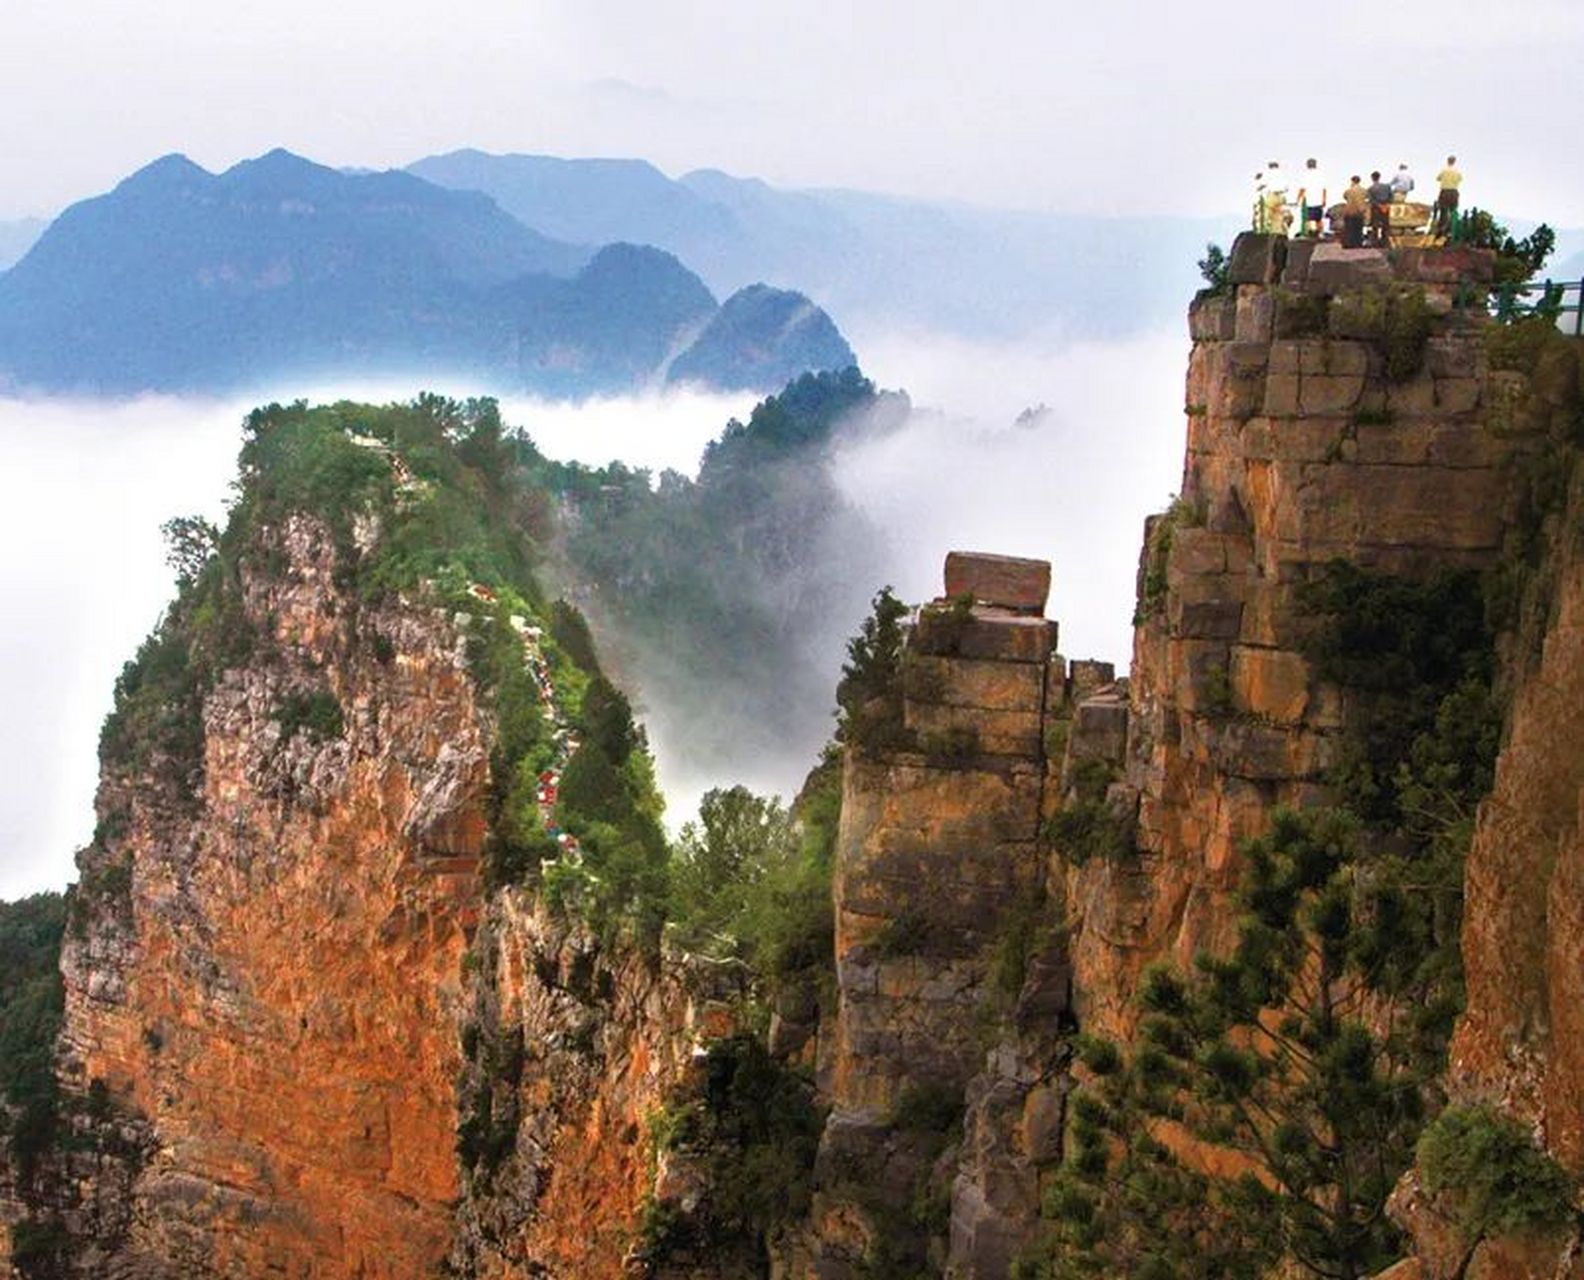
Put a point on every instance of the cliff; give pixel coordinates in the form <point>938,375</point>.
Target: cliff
<point>1372,493</point>
<point>318,1018</point>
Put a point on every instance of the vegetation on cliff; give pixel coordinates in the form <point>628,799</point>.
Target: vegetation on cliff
<point>30,1015</point>
<point>731,590</point>
<point>1311,1054</point>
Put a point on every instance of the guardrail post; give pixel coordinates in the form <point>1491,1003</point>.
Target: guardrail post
<point>1578,312</point>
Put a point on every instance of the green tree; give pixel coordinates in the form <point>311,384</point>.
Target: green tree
<point>869,695</point>
<point>190,543</point>
<point>719,861</point>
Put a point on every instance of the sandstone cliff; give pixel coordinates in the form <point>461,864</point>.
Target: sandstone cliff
<point>307,953</point>
<point>1341,409</point>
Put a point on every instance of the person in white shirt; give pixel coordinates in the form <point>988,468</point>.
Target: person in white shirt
<point>1402,183</point>
<point>1311,199</point>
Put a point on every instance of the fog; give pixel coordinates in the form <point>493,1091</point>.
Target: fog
<point>83,575</point>
<point>1070,483</point>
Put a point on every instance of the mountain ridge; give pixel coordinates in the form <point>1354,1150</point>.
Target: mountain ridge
<point>181,279</point>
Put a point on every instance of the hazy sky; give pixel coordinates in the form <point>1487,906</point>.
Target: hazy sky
<point>1139,104</point>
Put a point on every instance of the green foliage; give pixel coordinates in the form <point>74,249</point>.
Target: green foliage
<point>869,695</point>
<point>1314,1049</point>
<point>1397,317</point>
<point>1158,544</point>
<point>41,1250</point>
<point>607,720</point>
<point>718,574</point>
<point>1519,346</point>
<point>1500,1180</point>
<point>316,714</point>
<point>1088,825</point>
<point>1216,269</point>
<point>752,880</point>
<point>31,1004</point>
<point>929,1107</point>
<point>1300,315</point>
<point>571,631</point>
<point>754,1133</point>
<point>1516,260</point>
<point>1401,647</point>
<point>190,543</point>
<point>739,839</point>
<point>1015,941</point>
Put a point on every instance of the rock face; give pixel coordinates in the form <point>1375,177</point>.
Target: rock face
<point>302,1037</point>
<point>1309,440</point>
<point>278,992</point>
<point>929,1156</point>
<point>289,995</point>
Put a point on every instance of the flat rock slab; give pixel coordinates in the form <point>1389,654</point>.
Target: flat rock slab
<point>1256,258</point>
<point>1007,581</point>
<point>1333,268</point>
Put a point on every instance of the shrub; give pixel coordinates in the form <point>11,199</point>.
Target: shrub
<point>1398,317</point>
<point>1216,269</point>
<point>869,694</point>
<point>1088,825</point>
<point>316,714</point>
<point>1158,543</point>
<point>755,1132</point>
<point>928,1107</point>
<point>1502,1182</point>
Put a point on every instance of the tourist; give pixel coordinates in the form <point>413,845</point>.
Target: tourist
<point>1448,180</point>
<point>1380,202</point>
<point>1401,184</point>
<point>1355,205</point>
<point>1311,199</point>
<point>1274,202</point>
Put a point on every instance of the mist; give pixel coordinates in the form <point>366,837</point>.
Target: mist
<point>83,572</point>
<point>1098,449</point>
<point>1069,482</point>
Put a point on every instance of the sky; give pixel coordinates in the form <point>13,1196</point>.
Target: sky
<point>1132,105</point>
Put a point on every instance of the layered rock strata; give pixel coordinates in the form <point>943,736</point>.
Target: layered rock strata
<point>1308,442</point>
<point>939,861</point>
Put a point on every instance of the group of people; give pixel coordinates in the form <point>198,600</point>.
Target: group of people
<point>1365,210</point>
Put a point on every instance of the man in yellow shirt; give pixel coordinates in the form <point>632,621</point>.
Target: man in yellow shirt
<point>1355,207</point>
<point>1449,180</point>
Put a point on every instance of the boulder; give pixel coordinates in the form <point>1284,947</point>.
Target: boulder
<point>1257,258</point>
<point>1009,582</point>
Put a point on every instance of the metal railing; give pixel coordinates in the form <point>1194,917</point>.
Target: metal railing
<point>1560,301</point>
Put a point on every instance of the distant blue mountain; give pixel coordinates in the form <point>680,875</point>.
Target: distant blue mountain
<point>876,261</point>
<point>762,337</point>
<point>280,268</point>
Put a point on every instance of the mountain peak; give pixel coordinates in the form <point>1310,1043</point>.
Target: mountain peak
<point>171,170</point>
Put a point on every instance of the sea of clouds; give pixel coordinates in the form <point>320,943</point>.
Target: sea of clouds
<point>83,576</point>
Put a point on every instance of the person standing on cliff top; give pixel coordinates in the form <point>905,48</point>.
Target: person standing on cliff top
<point>1448,180</point>
<point>1380,201</point>
<point>1311,199</point>
<point>1355,204</point>
<point>1402,183</point>
<point>1277,219</point>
